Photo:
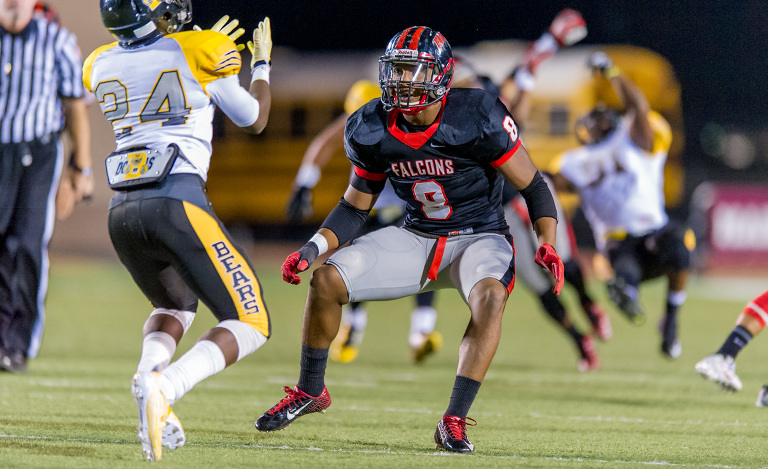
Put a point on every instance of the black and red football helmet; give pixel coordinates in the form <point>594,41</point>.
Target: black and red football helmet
<point>416,69</point>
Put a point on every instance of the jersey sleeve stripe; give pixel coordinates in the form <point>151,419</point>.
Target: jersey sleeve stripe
<point>757,313</point>
<point>506,155</point>
<point>227,63</point>
<point>368,175</point>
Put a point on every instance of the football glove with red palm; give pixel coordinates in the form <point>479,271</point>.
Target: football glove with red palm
<point>548,258</point>
<point>300,261</point>
<point>568,28</point>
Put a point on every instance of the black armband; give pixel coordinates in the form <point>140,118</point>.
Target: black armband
<point>539,199</point>
<point>367,186</point>
<point>345,220</point>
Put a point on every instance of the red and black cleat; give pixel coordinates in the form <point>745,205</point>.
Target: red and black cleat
<point>589,360</point>
<point>292,406</point>
<point>451,434</point>
<point>601,324</point>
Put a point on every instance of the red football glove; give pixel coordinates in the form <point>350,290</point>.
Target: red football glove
<point>548,258</point>
<point>568,28</point>
<point>298,262</point>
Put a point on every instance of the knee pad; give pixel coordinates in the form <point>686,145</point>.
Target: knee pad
<point>184,317</point>
<point>248,339</point>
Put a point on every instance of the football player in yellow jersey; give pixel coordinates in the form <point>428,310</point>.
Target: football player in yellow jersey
<point>389,210</point>
<point>158,87</point>
<point>619,175</point>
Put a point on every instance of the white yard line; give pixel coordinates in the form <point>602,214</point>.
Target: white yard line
<point>387,452</point>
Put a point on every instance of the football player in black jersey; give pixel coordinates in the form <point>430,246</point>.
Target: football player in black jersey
<point>446,156</point>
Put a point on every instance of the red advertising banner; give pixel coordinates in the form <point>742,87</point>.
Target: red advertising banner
<point>736,224</point>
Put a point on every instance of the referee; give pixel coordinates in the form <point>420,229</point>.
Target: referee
<point>41,95</point>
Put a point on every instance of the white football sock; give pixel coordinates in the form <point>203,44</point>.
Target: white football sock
<point>357,318</point>
<point>423,321</point>
<point>676,298</point>
<point>156,351</point>
<point>204,359</point>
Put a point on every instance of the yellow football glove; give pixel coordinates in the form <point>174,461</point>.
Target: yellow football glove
<point>261,46</point>
<point>223,27</point>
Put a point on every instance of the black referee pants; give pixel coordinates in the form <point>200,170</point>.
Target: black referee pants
<point>29,175</point>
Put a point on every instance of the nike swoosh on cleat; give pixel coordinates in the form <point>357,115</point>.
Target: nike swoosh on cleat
<point>292,415</point>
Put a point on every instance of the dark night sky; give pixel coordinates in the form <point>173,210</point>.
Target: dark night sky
<point>718,48</point>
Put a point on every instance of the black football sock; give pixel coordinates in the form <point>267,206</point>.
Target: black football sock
<point>312,374</point>
<point>464,392</point>
<point>669,331</point>
<point>575,277</point>
<point>556,311</point>
<point>425,299</point>
<point>736,341</point>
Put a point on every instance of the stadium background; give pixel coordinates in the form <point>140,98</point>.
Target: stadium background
<point>715,51</point>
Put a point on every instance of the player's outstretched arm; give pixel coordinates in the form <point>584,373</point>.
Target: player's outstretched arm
<point>317,155</point>
<point>633,99</point>
<point>566,29</point>
<point>521,172</point>
<point>340,226</point>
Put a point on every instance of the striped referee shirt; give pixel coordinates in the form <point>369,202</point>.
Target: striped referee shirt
<point>38,66</point>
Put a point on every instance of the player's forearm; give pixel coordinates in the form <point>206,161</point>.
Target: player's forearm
<point>260,90</point>
<point>79,130</point>
<point>546,230</point>
<point>631,96</point>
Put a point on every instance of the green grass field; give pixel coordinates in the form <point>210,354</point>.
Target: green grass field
<point>74,408</point>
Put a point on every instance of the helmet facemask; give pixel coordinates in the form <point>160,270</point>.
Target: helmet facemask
<point>172,16</point>
<point>411,85</point>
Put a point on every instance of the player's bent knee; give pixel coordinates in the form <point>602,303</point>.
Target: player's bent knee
<point>248,339</point>
<point>326,281</point>
<point>489,295</point>
<point>184,318</point>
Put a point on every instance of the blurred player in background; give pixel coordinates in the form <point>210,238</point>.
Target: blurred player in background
<point>388,211</point>
<point>446,156</point>
<point>41,96</point>
<point>158,87</point>
<point>618,173</point>
<point>720,367</point>
<point>566,29</point>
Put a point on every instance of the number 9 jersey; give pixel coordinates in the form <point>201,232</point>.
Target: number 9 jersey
<point>168,98</point>
<point>446,172</point>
